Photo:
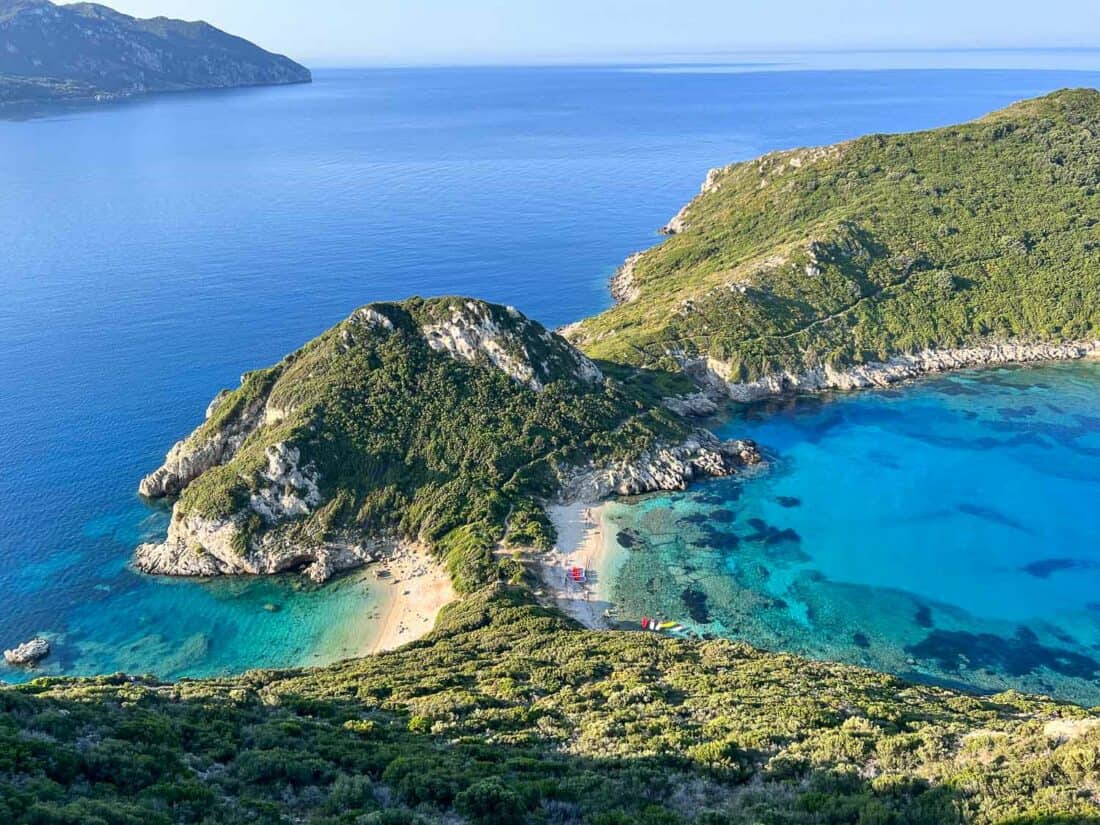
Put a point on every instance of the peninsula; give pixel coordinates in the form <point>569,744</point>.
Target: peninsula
<point>85,51</point>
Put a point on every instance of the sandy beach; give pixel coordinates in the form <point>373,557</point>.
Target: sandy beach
<point>413,588</point>
<point>581,543</point>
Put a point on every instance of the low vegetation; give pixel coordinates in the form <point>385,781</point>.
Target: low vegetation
<point>510,713</point>
<point>883,245</point>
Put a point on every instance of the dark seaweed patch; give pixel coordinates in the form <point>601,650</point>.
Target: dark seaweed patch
<point>717,539</point>
<point>769,534</point>
<point>789,501</point>
<point>1045,567</point>
<point>860,640</point>
<point>1088,422</point>
<point>955,388</point>
<point>627,539</point>
<point>1017,412</point>
<point>1017,656</point>
<point>995,516</point>
<point>924,616</point>
<point>722,515</point>
<point>695,601</point>
<point>1063,637</point>
<point>821,427</point>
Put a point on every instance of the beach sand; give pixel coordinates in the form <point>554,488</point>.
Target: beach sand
<point>581,543</point>
<point>412,588</point>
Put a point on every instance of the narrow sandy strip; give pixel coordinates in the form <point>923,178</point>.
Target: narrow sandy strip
<point>414,589</point>
<point>581,543</point>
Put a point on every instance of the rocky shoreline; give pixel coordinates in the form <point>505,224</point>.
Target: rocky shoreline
<point>199,547</point>
<point>191,553</point>
<point>623,288</point>
<point>712,374</point>
<point>665,468</point>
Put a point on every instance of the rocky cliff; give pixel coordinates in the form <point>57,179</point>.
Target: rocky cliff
<point>714,374</point>
<point>87,51</point>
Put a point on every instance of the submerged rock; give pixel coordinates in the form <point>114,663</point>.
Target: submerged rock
<point>28,653</point>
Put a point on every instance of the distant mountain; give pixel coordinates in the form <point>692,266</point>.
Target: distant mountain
<point>51,52</point>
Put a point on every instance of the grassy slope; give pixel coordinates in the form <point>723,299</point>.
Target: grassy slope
<point>414,441</point>
<point>885,244</point>
<point>509,713</point>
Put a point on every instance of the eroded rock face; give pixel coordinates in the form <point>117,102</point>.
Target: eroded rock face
<point>623,288</point>
<point>714,374</point>
<point>665,468</point>
<point>202,546</point>
<point>713,183</point>
<point>182,554</point>
<point>696,405</point>
<point>473,334</point>
<point>289,490</point>
<point>190,458</point>
<point>28,653</point>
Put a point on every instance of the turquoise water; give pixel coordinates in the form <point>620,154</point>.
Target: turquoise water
<point>154,251</point>
<point>944,530</point>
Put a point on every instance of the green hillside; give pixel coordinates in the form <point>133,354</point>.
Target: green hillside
<point>886,244</point>
<point>510,714</point>
<point>447,421</point>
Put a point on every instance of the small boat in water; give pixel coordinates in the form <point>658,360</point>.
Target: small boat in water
<point>670,627</point>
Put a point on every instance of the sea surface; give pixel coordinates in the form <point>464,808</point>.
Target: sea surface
<point>152,251</point>
<point>943,530</point>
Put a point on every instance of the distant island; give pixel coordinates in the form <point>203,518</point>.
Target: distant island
<point>88,52</point>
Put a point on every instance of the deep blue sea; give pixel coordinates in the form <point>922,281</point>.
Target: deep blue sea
<point>153,251</point>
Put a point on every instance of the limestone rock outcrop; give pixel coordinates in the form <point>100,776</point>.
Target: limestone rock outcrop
<point>28,653</point>
<point>475,333</point>
<point>665,468</point>
<point>713,375</point>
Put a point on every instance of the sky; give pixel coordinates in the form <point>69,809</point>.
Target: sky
<point>410,32</point>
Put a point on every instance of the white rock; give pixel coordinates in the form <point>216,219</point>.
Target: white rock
<point>623,288</point>
<point>664,468</point>
<point>714,374</point>
<point>28,653</point>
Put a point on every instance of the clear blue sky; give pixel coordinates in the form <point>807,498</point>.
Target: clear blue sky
<point>352,32</point>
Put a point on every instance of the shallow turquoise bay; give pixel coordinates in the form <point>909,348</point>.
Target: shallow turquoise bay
<point>944,530</point>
